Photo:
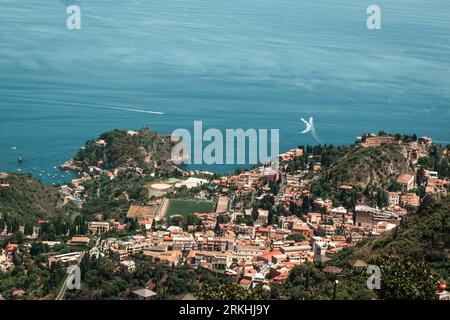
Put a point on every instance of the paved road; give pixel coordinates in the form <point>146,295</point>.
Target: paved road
<point>63,290</point>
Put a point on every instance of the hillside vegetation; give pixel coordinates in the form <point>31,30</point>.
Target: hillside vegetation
<point>112,198</point>
<point>361,166</point>
<point>27,200</point>
<point>367,170</point>
<point>424,236</point>
<point>412,259</point>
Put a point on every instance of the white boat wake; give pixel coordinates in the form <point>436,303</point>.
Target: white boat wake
<point>84,104</point>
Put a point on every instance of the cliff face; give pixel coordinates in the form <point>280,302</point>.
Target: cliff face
<point>26,199</point>
<point>121,149</point>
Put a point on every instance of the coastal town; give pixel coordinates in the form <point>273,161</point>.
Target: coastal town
<point>252,227</point>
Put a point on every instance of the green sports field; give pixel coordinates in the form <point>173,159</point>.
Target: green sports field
<point>186,207</point>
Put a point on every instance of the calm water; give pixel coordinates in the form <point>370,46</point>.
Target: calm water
<point>232,64</point>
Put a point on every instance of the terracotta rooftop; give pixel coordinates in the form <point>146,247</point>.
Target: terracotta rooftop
<point>404,178</point>
<point>245,281</point>
<point>332,269</point>
<point>269,255</point>
<point>359,263</point>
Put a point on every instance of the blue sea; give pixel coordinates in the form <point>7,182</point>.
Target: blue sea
<point>230,63</point>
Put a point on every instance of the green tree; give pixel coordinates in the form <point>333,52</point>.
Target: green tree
<point>38,248</point>
<point>230,291</point>
<point>405,279</point>
<point>255,213</point>
<point>296,237</point>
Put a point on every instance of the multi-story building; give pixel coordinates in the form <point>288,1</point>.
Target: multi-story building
<point>406,181</point>
<point>212,244</point>
<point>246,252</point>
<point>96,227</point>
<point>394,198</point>
<point>367,217</point>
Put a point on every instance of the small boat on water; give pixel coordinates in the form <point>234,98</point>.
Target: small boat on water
<point>19,159</point>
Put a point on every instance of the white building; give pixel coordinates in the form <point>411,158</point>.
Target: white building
<point>191,183</point>
<point>394,198</point>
